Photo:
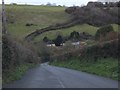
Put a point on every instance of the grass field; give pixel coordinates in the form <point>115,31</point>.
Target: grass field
<point>41,16</point>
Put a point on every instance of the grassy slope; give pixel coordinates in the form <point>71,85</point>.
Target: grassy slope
<point>103,67</point>
<point>42,16</point>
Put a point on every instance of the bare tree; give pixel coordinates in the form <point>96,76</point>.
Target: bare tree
<point>108,0</point>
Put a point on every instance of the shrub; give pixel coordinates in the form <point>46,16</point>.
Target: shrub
<point>75,36</point>
<point>6,54</point>
<point>15,54</point>
<point>118,4</point>
<point>103,31</point>
<point>13,3</point>
<point>29,24</point>
<point>71,10</point>
<point>105,49</point>
<point>43,52</point>
<point>45,39</point>
<point>110,36</point>
<point>59,40</point>
<point>93,16</point>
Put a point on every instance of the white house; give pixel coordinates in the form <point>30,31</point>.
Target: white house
<point>75,43</point>
<point>50,45</point>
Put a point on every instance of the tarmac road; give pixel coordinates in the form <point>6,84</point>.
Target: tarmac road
<point>46,76</point>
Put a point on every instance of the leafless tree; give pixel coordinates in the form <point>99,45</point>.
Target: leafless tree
<point>108,0</point>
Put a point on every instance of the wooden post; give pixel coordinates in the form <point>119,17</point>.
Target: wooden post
<point>4,24</point>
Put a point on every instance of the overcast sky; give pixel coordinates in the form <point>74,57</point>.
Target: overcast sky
<point>58,2</point>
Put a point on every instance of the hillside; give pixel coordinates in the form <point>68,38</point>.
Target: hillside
<point>41,16</point>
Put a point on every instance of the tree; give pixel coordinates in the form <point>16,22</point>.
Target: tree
<point>74,36</point>
<point>71,10</point>
<point>103,31</point>
<point>45,39</point>
<point>118,4</point>
<point>43,52</point>
<point>49,4</point>
<point>54,4</point>
<point>59,40</point>
<point>13,3</point>
<point>108,0</point>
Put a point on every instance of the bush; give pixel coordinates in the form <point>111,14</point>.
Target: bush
<point>15,54</point>
<point>59,40</point>
<point>29,24</point>
<point>102,50</point>
<point>45,39</point>
<point>6,54</point>
<point>103,31</point>
<point>71,10</point>
<point>43,52</point>
<point>110,36</point>
<point>13,3</point>
<point>93,16</point>
<point>118,4</point>
<point>75,36</point>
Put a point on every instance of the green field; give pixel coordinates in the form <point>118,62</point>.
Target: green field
<point>41,16</point>
<point>103,67</point>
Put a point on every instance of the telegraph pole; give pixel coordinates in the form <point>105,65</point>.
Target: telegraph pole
<point>4,24</point>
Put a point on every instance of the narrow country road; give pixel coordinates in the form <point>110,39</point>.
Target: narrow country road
<point>46,76</point>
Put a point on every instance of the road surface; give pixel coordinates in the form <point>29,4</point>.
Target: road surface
<point>46,76</point>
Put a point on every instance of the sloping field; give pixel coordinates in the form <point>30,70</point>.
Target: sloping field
<point>41,16</point>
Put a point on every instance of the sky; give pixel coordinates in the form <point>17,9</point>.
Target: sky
<point>58,2</point>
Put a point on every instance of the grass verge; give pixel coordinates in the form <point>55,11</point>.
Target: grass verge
<point>16,73</point>
<point>103,67</point>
